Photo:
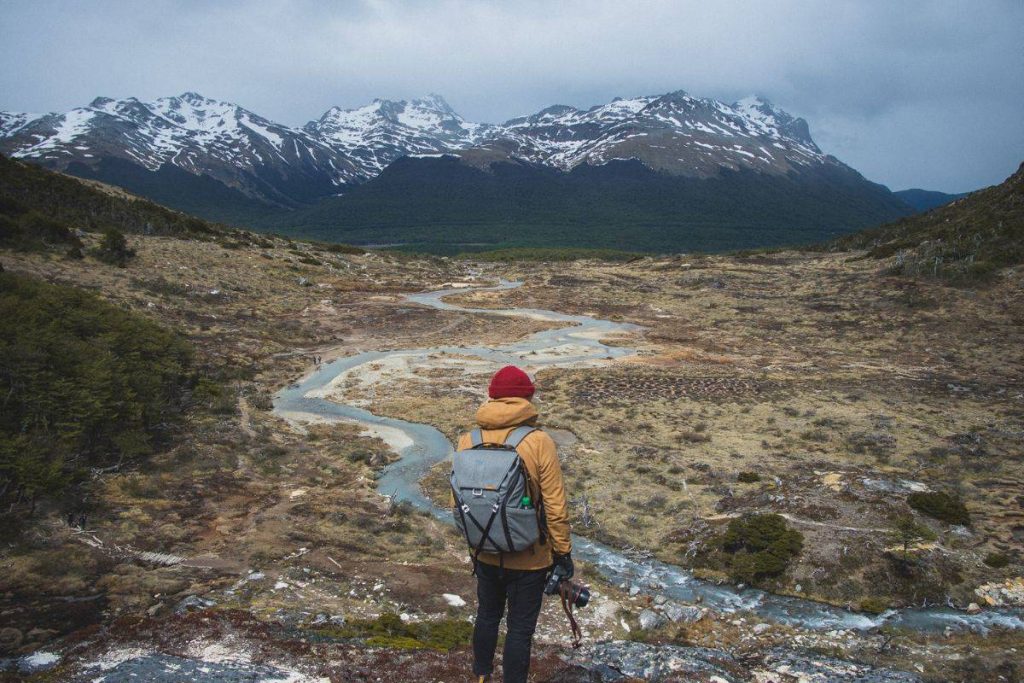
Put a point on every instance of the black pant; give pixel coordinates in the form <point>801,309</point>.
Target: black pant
<point>523,590</point>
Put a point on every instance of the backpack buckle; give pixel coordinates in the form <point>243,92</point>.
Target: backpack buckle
<point>477,492</point>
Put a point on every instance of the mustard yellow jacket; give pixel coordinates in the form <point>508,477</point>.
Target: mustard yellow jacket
<point>497,417</point>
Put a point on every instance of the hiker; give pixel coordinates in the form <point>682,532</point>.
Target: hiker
<point>513,579</point>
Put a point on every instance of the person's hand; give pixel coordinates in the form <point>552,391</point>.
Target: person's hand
<point>565,562</point>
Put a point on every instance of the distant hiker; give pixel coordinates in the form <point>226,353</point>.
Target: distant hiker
<point>510,502</point>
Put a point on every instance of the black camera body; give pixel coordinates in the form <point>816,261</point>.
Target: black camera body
<point>579,595</point>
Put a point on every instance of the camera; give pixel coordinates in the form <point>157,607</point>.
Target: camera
<point>557,583</point>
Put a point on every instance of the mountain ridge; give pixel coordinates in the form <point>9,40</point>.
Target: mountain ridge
<point>347,146</point>
<point>221,161</point>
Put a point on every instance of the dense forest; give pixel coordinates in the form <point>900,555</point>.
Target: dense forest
<point>444,206</point>
<point>85,385</point>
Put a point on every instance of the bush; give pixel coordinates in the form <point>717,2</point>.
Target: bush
<point>388,630</point>
<point>343,249</point>
<point>759,546</point>
<point>940,506</point>
<point>86,384</point>
<point>997,560</point>
<point>874,605</point>
<point>114,249</point>
<point>748,477</point>
<point>31,231</point>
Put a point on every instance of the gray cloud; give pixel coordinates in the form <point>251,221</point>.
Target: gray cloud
<point>910,93</point>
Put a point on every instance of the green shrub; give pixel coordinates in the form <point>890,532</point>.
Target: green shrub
<point>86,384</point>
<point>906,530</point>
<point>215,397</point>
<point>31,231</point>
<point>512,254</point>
<point>997,560</point>
<point>874,605</point>
<point>759,546</point>
<point>940,506</point>
<point>748,477</point>
<point>388,630</point>
<point>114,249</point>
<point>342,249</point>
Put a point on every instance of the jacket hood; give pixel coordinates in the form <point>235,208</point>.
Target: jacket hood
<point>499,413</point>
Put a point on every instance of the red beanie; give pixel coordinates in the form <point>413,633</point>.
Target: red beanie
<point>510,381</point>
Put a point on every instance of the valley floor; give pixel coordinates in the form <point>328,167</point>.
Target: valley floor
<point>841,388</point>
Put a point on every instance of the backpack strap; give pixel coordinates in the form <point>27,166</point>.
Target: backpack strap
<point>516,436</point>
<point>476,438</point>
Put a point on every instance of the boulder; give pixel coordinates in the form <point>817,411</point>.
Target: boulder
<point>687,614</point>
<point>649,619</point>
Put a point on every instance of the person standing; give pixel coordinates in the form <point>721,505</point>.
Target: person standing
<point>514,582</point>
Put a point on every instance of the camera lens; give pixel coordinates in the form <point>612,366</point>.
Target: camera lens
<point>583,597</point>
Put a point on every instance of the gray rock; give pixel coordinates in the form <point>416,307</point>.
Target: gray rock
<point>758,629</point>
<point>649,619</point>
<point>634,590</point>
<point>622,660</point>
<point>619,661</point>
<point>660,600</point>
<point>193,602</point>
<point>808,666</point>
<point>684,613</point>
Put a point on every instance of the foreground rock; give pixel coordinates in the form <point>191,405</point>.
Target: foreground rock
<point>623,661</point>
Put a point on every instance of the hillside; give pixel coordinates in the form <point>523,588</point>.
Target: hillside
<point>444,205</point>
<point>968,239</point>
<point>925,200</point>
<point>26,188</point>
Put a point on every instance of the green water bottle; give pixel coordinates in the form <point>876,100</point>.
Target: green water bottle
<point>525,502</point>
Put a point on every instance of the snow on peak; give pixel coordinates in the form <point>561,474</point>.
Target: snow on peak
<point>435,102</point>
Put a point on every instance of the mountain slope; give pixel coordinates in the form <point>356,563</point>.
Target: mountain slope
<point>445,205</point>
<point>970,238</point>
<point>26,188</point>
<point>926,200</point>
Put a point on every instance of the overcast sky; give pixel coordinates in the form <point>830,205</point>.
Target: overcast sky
<point>912,94</point>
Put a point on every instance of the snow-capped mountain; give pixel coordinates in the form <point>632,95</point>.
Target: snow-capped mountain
<point>676,133</point>
<point>121,140</point>
<point>375,135</point>
<point>202,136</point>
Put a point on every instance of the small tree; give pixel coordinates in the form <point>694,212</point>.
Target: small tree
<point>114,249</point>
<point>906,531</point>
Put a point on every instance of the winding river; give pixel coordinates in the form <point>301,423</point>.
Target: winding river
<point>579,342</point>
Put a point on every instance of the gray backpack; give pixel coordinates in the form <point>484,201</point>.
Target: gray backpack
<point>492,500</point>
